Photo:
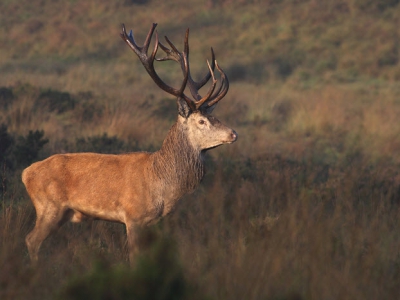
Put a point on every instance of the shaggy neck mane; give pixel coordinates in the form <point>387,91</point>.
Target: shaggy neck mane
<point>178,163</point>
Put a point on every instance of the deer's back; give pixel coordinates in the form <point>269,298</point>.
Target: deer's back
<point>91,183</point>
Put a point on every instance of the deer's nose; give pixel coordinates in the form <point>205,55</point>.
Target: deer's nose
<point>234,136</point>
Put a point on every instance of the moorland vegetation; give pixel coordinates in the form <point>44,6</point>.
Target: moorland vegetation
<point>305,205</point>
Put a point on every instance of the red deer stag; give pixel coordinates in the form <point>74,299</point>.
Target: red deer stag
<point>135,188</point>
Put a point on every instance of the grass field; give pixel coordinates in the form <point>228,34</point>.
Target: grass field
<point>305,205</point>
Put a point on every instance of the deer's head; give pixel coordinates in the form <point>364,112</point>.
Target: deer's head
<point>203,130</point>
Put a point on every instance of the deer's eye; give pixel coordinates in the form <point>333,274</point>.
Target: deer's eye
<point>202,122</point>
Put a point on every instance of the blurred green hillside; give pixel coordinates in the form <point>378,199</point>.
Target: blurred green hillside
<point>299,69</point>
<point>305,205</point>
<point>327,41</point>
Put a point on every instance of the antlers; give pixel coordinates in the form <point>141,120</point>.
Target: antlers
<point>212,96</point>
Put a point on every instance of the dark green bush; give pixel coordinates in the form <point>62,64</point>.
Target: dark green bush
<point>6,141</point>
<point>17,153</point>
<point>137,2</point>
<point>6,97</point>
<point>55,101</point>
<point>87,106</point>
<point>101,144</point>
<point>27,148</point>
<point>165,110</point>
<point>255,72</point>
<point>375,6</point>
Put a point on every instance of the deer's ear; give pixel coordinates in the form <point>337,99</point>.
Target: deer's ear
<point>183,108</point>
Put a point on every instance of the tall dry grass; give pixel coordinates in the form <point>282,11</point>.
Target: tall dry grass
<point>267,228</point>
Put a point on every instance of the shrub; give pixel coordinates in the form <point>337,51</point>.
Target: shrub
<point>375,6</point>
<point>137,2</point>
<point>100,144</point>
<point>6,97</point>
<point>165,110</point>
<point>27,148</point>
<point>88,108</point>
<point>6,141</point>
<point>17,153</point>
<point>55,101</point>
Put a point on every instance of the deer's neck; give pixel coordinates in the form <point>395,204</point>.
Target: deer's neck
<point>178,166</point>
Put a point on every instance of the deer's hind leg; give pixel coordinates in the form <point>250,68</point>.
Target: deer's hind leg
<point>132,238</point>
<point>49,218</point>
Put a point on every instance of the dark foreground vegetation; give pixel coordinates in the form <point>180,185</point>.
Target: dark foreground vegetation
<point>305,205</point>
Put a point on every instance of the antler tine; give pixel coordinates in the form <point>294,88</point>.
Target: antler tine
<point>195,86</point>
<point>148,62</point>
<point>140,51</point>
<point>175,55</point>
<point>210,91</point>
<point>207,77</point>
<point>212,96</point>
<point>148,39</point>
<point>223,89</point>
<point>185,80</point>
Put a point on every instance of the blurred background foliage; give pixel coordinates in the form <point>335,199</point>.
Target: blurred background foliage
<point>305,205</point>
